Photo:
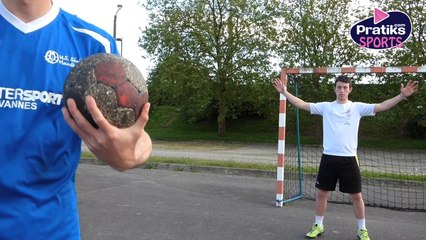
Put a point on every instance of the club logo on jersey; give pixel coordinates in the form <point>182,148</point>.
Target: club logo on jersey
<point>53,57</point>
<point>384,30</point>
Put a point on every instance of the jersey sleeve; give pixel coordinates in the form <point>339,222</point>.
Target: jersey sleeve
<point>365,109</point>
<point>318,108</point>
<point>88,36</point>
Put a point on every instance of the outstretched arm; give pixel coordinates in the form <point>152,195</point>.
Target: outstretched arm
<point>297,102</point>
<point>406,91</point>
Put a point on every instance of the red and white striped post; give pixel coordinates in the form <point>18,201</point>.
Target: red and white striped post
<point>281,144</point>
<point>283,104</point>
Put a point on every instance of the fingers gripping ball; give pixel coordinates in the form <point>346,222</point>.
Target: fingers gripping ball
<point>115,83</point>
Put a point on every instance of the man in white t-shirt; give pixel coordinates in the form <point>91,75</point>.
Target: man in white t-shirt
<point>340,140</point>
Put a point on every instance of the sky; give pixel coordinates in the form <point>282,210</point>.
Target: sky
<point>130,18</point>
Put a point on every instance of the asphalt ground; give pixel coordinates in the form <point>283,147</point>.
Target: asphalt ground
<point>164,205</point>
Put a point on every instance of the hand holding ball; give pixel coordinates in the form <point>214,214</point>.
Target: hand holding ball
<point>115,83</point>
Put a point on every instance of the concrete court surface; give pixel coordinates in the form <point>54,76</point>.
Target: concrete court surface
<point>168,205</point>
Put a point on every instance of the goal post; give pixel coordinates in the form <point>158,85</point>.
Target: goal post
<point>282,154</point>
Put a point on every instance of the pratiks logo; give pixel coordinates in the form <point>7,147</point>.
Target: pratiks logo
<point>53,57</point>
<point>384,30</point>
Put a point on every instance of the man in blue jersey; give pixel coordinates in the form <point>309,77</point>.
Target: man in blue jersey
<point>340,141</point>
<point>41,141</point>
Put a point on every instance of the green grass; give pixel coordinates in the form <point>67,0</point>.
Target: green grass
<point>269,167</point>
<point>206,163</point>
<point>394,176</point>
<point>214,163</point>
<point>166,123</point>
<point>393,143</point>
<point>273,167</point>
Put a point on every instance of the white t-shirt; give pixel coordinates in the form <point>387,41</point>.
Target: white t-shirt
<point>341,124</point>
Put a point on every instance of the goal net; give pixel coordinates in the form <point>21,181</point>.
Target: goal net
<point>393,179</point>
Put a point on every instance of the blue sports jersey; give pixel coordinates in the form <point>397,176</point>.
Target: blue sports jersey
<point>39,152</point>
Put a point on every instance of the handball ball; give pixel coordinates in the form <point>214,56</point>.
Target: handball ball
<point>115,83</point>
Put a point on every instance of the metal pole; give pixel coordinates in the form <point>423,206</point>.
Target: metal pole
<point>114,33</point>
<point>121,45</point>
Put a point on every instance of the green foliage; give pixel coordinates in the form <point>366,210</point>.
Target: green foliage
<point>410,117</point>
<point>168,123</point>
<point>405,119</point>
<point>413,52</point>
<point>181,83</point>
<point>214,61</point>
<point>217,50</point>
<point>316,35</point>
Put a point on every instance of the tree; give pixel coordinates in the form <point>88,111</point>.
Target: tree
<point>231,42</point>
<point>413,52</point>
<point>411,118</point>
<point>315,34</point>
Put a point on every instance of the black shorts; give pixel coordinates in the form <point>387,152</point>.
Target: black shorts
<point>342,169</point>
